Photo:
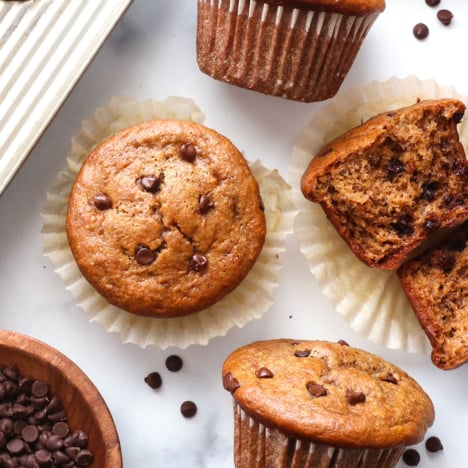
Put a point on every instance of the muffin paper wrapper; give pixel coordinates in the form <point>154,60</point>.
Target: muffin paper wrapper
<point>296,53</point>
<point>251,299</point>
<point>372,301</point>
<point>256,445</point>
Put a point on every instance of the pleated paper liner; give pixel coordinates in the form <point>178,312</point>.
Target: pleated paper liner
<point>250,300</point>
<point>372,301</point>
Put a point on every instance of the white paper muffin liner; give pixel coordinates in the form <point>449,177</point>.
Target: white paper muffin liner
<point>372,301</point>
<point>256,445</point>
<point>250,300</point>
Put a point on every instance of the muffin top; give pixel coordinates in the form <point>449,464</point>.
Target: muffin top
<point>328,393</point>
<point>165,218</point>
<point>345,7</point>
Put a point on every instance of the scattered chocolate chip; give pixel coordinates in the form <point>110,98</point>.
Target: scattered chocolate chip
<point>102,201</point>
<point>230,383</point>
<point>403,225</point>
<point>39,389</point>
<point>205,204</point>
<point>458,116</point>
<point>390,378</point>
<point>343,343</point>
<point>84,458</point>
<point>433,444</point>
<point>174,363</point>
<point>355,397</point>
<point>153,379</point>
<point>144,255</point>
<point>432,3</point>
<point>264,373</point>
<point>61,429</point>
<point>198,262</point>
<point>43,457</point>
<point>395,167</point>
<point>302,353</point>
<point>431,224</point>
<point>188,152</point>
<point>428,190</point>
<point>150,183</point>
<point>30,433</point>
<point>411,457</point>
<point>316,390</point>
<point>15,446</point>
<point>445,17</point>
<point>420,31</point>
<point>188,409</point>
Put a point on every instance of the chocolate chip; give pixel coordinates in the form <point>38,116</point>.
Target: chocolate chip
<point>395,167</point>
<point>39,389</point>
<point>420,31</point>
<point>433,444</point>
<point>264,373</point>
<point>411,457</point>
<point>230,383</point>
<point>445,17</point>
<point>355,397</point>
<point>15,446</point>
<point>61,429</point>
<point>390,378</point>
<point>458,116</point>
<point>43,456</point>
<point>153,379</point>
<point>432,3</point>
<point>431,224</point>
<point>144,255</point>
<point>188,152</point>
<point>102,201</point>
<point>403,225</point>
<point>188,409</point>
<point>343,343</point>
<point>316,390</point>
<point>205,204</point>
<point>174,363</point>
<point>198,262</point>
<point>302,353</point>
<point>447,262</point>
<point>150,183</point>
<point>30,433</point>
<point>428,190</point>
<point>84,458</point>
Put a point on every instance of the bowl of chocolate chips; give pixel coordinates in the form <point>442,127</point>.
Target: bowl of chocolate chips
<point>51,414</point>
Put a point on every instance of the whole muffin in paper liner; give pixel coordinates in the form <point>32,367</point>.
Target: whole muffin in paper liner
<point>373,302</point>
<point>296,49</point>
<point>314,404</point>
<point>235,309</point>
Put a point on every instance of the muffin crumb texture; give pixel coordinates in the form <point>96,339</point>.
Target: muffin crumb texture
<point>390,183</point>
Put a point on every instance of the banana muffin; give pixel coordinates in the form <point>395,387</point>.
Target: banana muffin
<point>390,183</point>
<point>316,403</point>
<point>165,218</point>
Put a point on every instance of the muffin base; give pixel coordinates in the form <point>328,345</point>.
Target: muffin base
<point>293,53</point>
<point>256,446</point>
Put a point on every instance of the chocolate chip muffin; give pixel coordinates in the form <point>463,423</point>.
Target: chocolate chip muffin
<point>165,218</point>
<point>316,403</point>
<point>390,183</point>
<point>436,284</point>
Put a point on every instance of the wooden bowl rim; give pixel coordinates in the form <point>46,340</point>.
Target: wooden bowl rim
<point>36,349</point>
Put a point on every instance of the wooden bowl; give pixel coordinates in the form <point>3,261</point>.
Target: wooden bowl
<point>83,404</point>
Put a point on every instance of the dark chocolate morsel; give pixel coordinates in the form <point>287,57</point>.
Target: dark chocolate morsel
<point>30,433</point>
<point>445,16</point>
<point>61,429</point>
<point>188,409</point>
<point>302,353</point>
<point>355,397</point>
<point>188,152</point>
<point>198,262</point>
<point>205,204</point>
<point>230,383</point>
<point>150,183</point>
<point>316,390</point>
<point>43,456</point>
<point>144,255</point>
<point>15,446</point>
<point>153,380</point>
<point>432,3</point>
<point>39,389</point>
<point>433,444</point>
<point>420,31</point>
<point>102,201</point>
<point>411,457</point>
<point>343,343</point>
<point>174,363</point>
<point>264,373</point>
<point>390,378</point>
<point>84,458</point>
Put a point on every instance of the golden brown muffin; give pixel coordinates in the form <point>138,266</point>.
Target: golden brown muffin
<point>436,284</point>
<point>165,218</point>
<point>389,183</point>
<point>321,404</point>
<point>295,49</point>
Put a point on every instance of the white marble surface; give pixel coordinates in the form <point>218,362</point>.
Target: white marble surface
<point>151,53</point>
